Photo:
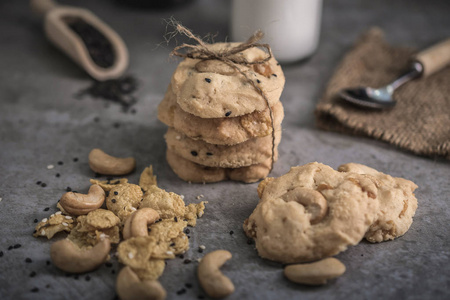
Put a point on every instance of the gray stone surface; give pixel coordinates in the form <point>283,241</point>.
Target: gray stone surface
<point>42,123</point>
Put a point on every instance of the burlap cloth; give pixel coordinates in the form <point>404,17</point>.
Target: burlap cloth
<point>420,121</point>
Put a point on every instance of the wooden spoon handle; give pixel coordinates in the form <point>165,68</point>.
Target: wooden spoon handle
<point>41,7</point>
<point>435,58</point>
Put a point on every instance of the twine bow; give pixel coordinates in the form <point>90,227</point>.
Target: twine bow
<point>229,57</point>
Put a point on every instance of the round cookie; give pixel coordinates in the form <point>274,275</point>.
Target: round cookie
<point>215,93</point>
<point>219,131</point>
<point>397,203</point>
<point>193,172</point>
<point>254,151</point>
<point>311,212</point>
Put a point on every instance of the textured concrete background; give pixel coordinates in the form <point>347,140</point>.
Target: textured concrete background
<point>42,123</point>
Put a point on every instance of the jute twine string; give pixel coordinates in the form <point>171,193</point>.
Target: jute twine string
<point>229,57</point>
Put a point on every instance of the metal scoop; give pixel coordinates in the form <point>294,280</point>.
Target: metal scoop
<point>57,20</point>
<point>425,63</point>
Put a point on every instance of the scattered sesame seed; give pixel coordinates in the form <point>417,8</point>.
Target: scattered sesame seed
<point>258,81</point>
<point>38,182</point>
<point>182,197</point>
<point>47,209</point>
<point>116,193</point>
<point>182,291</point>
<point>275,75</point>
<point>60,163</point>
<point>187,261</point>
<point>187,231</point>
<point>42,232</point>
<point>209,154</point>
<point>113,200</point>
<point>36,220</point>
<point>176,219</point>
<point>1,253</point>
<point>28,260</point>
<point>10,247</point>
<point>249,241</point>
<point>44,220</point>
<point>68,217</point>
<point>172,244</point>
<point>58,212</point>
<point>188,285</point>
<point>178,137</point>
<point>130,255</point>
<point>43,184</point>
<point>208,80</point>
<point>32,274</point>
<point>231,232</point>
<point>57,175</point>
<point>35,290</point>
<point>181,256</point>
<point>133,209</point>
<point>68,189</point>
<point>169,252</point>
<point>49,167</point>
<point>75,159</point>
<point>203,247</point>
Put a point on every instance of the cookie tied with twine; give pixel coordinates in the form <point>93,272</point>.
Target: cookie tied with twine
<point>229,56</point>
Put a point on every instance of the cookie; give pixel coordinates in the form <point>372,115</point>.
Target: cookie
<point>397,203</point>
<point>312,212</point>
<point>251,152</point>
<point>210,92</point>
<point>220,131</point>
<point>193,172</point>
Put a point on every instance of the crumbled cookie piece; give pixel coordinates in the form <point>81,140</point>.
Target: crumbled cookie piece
<point>136,251</point>
<point>52,225</point>
<point>397,203</point>
<point>169,205</point>
<point>170,238</point>
<point>107,185</point>
<point>147,178</point>
<point>123,199</point>
<point>194,211</point>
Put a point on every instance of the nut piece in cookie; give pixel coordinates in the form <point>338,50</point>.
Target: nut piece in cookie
<point>311,212</point>
<point>397,203</point>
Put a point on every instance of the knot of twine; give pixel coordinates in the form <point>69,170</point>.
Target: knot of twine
<point>228,56</point>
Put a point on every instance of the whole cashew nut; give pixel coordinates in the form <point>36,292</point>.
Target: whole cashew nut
<point>215,284</point>
<point>315,273</point>
<point>137,223</point>
<point>129,287</point>
<point>103,163</point>
<point>314,202</point>
<point>70,258</point>
<point>79,204</point>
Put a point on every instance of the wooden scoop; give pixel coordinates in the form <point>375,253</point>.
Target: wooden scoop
<point>57,20</point>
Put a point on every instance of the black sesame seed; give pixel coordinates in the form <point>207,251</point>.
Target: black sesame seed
<point>258,81</point>
<point>43,184</point>
<point>76,277</point>
<point>176,219</point>
<point>172,244</point>
<point>1,253</point>
<point>208,80</point>
<point>209,153</point>
<point>181,256</point>
<point>194,153</point>
<point>116,125</point>
<point>47,262</point>
<point>108,264</point>
<point>200,250</point>
<point>75,159</point>
<point>228,113</point>
<point>36,220</point>
<point>189,236</point>
<point>58,175</point>
<point>34,231</point>
<point>35,290</point>
<point>87,277</point>
<point>116,193</point>
<point>97,175</point>
<point>133,111</point>
<point>38,182</point>
<point>60,163</point>
<point>47,209</point>
<point>188,285</point>
<point>96,119</point>
<point>28,260</point>
<point>32,274</point>
<point>187,231</point>
<point>249,241</point>
<point>231,232</point>
<point>278,64</point>
<point>17,246</point>
<point>113,271</point>
<point>274,75</point>
<point>182,291</point>
<point>47,286</point>
<point>113,200</point>
<point>201,297</point>
<point>10,247</point>
<point>68,189</point>
<point>187,261</point>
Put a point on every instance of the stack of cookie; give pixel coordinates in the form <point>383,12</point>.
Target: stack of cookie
<point>219,125</point>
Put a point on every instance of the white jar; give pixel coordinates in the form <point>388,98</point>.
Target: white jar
<point>291,27</point>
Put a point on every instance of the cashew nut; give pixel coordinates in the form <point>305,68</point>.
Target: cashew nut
<point>314,202</point>
<point>214,66</point>
<point>103,163</point>
<point>215,284</point>
<point>129,287</point>
<point>77,204</point>
<point>70,258</point>
<point>137,223</point>
<point>315,273</point>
